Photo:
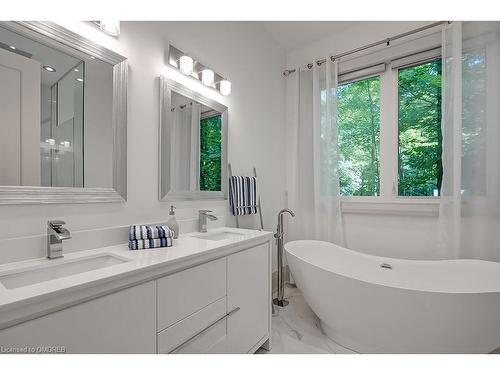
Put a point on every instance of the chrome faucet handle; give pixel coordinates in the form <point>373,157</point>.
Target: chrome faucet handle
<point>56,223</point>
<point>56,233</point>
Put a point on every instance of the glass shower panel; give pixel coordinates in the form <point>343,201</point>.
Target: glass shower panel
<point>62,131</point>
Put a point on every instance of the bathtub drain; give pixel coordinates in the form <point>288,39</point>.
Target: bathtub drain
<point>386,265</point>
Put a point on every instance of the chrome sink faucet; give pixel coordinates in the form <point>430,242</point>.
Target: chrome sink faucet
<point>203,215</point>
<point>56,233</point>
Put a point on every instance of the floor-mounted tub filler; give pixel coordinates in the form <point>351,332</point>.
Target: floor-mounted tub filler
<point>374,304</point>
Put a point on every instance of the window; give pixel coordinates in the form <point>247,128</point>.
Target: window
<point>210,153</point>
<point>420,168</point>
<point>359,137</point>
<point>399,99</point>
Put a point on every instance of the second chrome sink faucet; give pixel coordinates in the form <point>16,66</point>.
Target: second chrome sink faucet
<point>203,215</point>
<point>56,233</point>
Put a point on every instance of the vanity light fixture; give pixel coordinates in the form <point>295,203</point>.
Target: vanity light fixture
<point>49,68</point>
<point>110,27</point>
<point>225,87</point>
<point>186,65</point>
<point>193,68</point>
<point>207,77</point>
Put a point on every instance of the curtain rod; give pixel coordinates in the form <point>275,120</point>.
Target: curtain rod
<point>386,41</point>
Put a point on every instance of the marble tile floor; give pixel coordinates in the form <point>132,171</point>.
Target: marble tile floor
<point>296,329</point>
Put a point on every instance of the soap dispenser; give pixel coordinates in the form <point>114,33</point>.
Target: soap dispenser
<point>172,222</point>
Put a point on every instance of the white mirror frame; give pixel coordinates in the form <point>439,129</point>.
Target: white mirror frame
<point>167,86</point>
<point>65,40</point>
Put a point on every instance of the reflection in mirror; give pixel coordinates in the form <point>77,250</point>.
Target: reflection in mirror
<point>56,116</point>
<point>193,144</point>
<point>196,146</point>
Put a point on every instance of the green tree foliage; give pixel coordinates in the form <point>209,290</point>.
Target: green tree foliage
<point>210,154</point>
<point>359,137</point>
<point>420,140</point>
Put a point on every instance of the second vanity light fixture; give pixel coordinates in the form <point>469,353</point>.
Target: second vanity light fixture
<point>190,67</point>
<point>110,27</point>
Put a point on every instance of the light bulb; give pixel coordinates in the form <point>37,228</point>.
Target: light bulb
<point>225,87</point>
<point>186,64</point>
<point>110,27</point>
<point>207,77</point>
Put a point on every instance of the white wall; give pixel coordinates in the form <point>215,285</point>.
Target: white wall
<point>98,135</point>
<point>241,51</point>
<point>394,235</point>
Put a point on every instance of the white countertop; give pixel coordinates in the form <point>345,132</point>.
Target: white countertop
<point>143,265</point>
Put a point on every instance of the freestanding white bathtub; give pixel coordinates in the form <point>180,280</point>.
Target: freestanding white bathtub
<point>417,306</point>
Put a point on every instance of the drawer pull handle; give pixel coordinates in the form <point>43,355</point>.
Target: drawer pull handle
<point>204,329</point>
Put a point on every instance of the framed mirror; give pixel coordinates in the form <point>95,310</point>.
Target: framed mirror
<point>193,144</point>
<point>63,116</point>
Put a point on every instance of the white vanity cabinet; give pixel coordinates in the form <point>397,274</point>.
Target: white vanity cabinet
<point>216,304</point>
<point>219,307</point>
<point>248,290</point>
<point>121,322</point>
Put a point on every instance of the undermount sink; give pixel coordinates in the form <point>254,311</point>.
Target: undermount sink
<point>218,236</point>
<point>57,269</point>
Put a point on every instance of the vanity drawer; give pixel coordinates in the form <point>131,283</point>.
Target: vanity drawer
<point>197,333</point>
<point>206,341</point>
<point>184,293</point>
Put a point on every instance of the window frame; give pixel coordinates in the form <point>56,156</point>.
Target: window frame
<point>389,201</point>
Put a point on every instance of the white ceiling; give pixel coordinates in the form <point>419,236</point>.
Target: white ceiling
<point>294,34</point>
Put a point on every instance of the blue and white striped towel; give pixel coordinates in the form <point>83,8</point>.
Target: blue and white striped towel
<point>146,232</point>
<point>151,243</point>
<point>243,192</point>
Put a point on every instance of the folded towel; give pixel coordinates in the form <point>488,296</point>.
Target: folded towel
<point>243,195</point>
<point>150,243</point>
<point>146,232</point>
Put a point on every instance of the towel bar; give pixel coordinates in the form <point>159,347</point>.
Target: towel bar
<point>258,206</point>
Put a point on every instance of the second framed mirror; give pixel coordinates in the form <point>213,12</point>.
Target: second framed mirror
<point>193,144</point>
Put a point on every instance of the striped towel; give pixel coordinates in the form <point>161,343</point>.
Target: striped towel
<point>150,243</point>
<point>147,232</point>
<point>243,192</point>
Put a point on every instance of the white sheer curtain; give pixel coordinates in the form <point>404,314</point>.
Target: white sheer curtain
<point>185,139</point>
<point>194,180</point>
<point>469,224</point>
<point>312,154</point>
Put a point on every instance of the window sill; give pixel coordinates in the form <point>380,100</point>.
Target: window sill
<point>402,206</point>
